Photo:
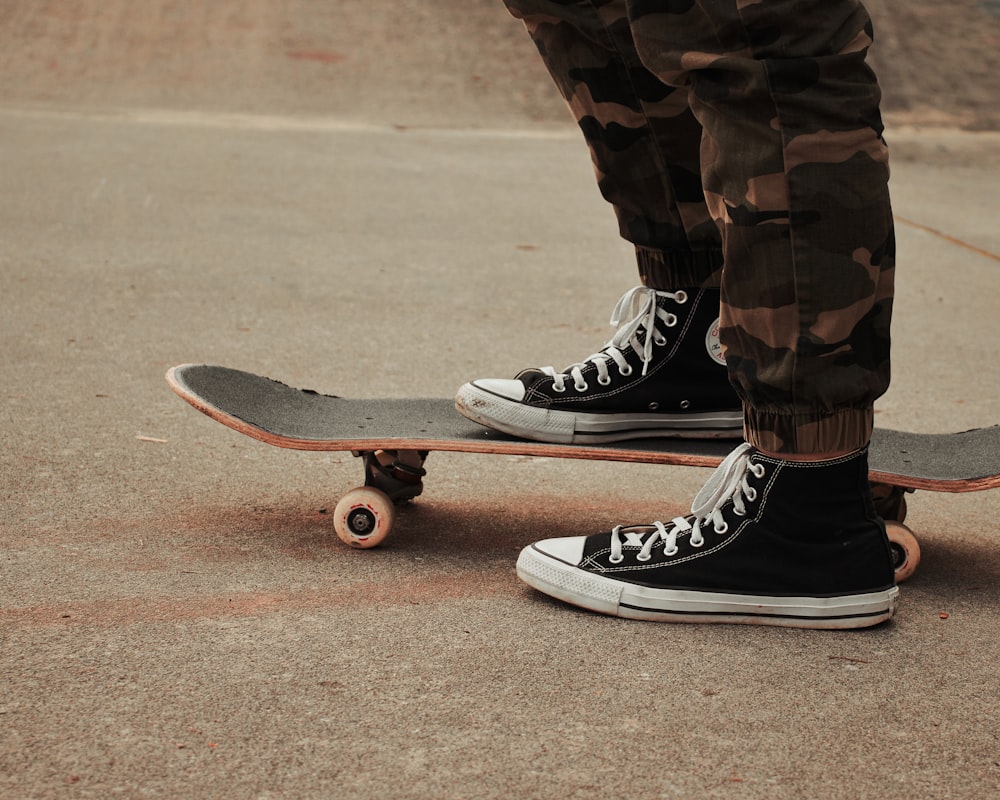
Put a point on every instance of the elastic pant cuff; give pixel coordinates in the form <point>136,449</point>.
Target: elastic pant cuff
<point>668,270</point>
<point>808,433</point>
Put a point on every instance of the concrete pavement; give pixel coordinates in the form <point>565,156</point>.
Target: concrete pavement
<point>177,618</point>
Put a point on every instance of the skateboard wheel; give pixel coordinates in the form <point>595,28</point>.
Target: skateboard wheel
<point>363,517</point>
<point>905,550</point>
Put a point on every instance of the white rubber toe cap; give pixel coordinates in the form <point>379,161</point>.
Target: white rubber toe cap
<point>568,549</point>
<point>509,389</point>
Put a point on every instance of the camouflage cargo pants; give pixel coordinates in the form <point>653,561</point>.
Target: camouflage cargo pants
<point>740,144</point>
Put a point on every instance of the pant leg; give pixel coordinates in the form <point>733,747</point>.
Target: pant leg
<point>644,141</point>
<point>795,173</point>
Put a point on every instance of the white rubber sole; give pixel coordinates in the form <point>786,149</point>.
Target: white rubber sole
<point>568,427</point>
<point>617,598</point>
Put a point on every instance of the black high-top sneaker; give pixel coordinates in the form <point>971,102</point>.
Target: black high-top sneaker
<point>662,374</point>
<point>769,542</point>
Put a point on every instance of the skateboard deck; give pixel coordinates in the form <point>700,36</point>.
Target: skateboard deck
<point>395,434</point>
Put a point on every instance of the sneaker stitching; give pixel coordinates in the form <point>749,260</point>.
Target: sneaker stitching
<point>668,561</point>
<point>589,367</point>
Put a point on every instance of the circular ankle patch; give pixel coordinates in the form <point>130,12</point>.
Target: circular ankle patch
<point>714,345</point>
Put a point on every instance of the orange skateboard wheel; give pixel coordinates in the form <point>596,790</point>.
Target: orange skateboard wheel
<point>364,517</point>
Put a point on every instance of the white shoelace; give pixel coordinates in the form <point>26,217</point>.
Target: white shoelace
<point>638,303</point>
<point>729,482</point>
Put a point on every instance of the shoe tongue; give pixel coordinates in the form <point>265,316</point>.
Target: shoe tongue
<point>529,376</point>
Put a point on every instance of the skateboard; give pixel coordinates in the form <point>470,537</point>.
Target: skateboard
<point>394,436</point>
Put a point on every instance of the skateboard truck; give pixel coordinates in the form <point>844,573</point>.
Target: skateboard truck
<point>398,473</point>
<point>890,503</point>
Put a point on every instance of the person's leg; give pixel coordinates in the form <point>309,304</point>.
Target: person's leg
<point>662,373</point>
<point>785,532</point>
<point>644,141</point>
<point>795,173</point>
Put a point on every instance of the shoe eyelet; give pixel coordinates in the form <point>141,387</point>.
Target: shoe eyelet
<point>625,371</point>
<point>672,551</point>
<point>604,381</point>
<point>671,321</point>
<point>581,387</point>
<point>654,406</point>
<point>680,297</point>
<point>641,557</point>
<point>696,542</point>
<point>660,341</point>
<point>558,389</point>
<point>685,405</point>
<point>722,529</point>
<point>614,560</point>
<point>758,470</point>
<point>751,494</point>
